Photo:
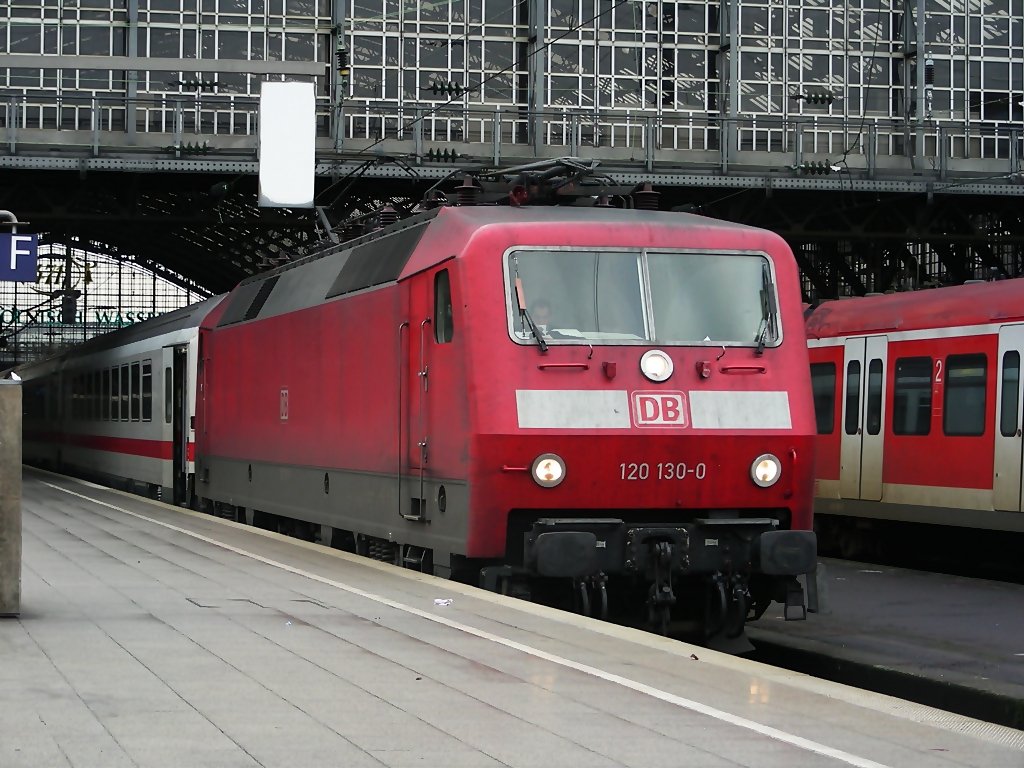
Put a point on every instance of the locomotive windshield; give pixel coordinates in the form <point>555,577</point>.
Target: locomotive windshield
<point>616,297</point>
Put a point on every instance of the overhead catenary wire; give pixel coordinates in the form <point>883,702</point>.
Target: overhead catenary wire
<point>867,83</point>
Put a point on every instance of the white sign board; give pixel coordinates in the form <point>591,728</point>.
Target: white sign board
<point>287,145</point>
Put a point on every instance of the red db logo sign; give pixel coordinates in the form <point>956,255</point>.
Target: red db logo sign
<point>659,409</point>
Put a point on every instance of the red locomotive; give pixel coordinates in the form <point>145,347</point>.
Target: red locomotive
<point>609,402</point>
<point>918,406</point>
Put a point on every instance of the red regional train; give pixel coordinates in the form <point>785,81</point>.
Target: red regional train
<point>919,410</point>
<point>606,403</point>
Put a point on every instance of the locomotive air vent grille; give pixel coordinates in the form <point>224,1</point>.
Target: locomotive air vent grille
<point>377,262</point>
<point>238,304</point>
<point>261,297</point>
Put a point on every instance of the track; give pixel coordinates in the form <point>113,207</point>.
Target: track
<point>992,555</point>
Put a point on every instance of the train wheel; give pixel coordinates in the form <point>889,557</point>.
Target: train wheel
<point>264,520</point>
<point>298,529</point>
<point>343,540</point>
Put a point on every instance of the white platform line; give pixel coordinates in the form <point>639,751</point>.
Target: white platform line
<point>670,698</point>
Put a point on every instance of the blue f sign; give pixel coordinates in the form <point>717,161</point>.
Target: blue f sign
<point>18,257</point>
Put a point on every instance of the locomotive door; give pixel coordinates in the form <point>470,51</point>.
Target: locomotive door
<point>1006,480</point>
<point>429,391</point>
<point>861,453</point>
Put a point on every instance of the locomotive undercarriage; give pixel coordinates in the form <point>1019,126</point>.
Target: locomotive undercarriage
<point>702,580</point>
<point>698,578</point>
<point>706,577</point>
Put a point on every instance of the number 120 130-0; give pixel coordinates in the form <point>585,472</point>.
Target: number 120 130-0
<point>663,470</point>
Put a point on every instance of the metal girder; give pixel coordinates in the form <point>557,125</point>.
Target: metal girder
<point>389,167</point>
<point>208,231</point>
<point>953,261</point>
<point>813,273</point>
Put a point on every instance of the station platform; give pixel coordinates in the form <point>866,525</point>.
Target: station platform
<point>962,638</point>
<point>152,636</point>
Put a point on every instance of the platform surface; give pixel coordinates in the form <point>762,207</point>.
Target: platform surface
<point>152,636</point>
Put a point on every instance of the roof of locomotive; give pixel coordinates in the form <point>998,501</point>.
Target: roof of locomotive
<point>483,215</point>
<point>465,220</point>
<point>960,305</point>
<point>457,225</point>
<point>423,240</point>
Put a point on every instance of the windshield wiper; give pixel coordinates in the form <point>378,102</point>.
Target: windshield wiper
<point>523,312</point>
<point>535,329</point>
<point>762,336</point>
<point>769,310</point>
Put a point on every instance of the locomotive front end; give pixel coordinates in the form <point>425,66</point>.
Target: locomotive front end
<point>656,452</point>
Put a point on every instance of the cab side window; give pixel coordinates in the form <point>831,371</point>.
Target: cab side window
<point>444,322</point>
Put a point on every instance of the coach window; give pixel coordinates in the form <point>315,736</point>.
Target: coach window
<point>97,396</point>
<point>852,397</point>
<point>168,395</point>
<point>93,377</point>
<point>147,390</point>
<point>1011,394</point>
<point>125,393</point>
<point>90,380</point>
<point>105,393</point>
<point>115,394</point>
<point>963,411</point>
<point>136,392</point>
<point>823,385</point>
<point>912,396</point>
<point>444,323</point>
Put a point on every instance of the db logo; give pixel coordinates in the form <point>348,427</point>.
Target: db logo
<point>659,409</point>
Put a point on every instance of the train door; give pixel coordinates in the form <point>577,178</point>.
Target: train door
<point>176,415</point>
<point>1006,482</point>
<point>430,390</point>
<point>861,453</point>
<point>412,499</point>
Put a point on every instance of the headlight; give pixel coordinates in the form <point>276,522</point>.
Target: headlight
<point>548,470</point>
<point>766,470</point>
<point>656,365</point>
